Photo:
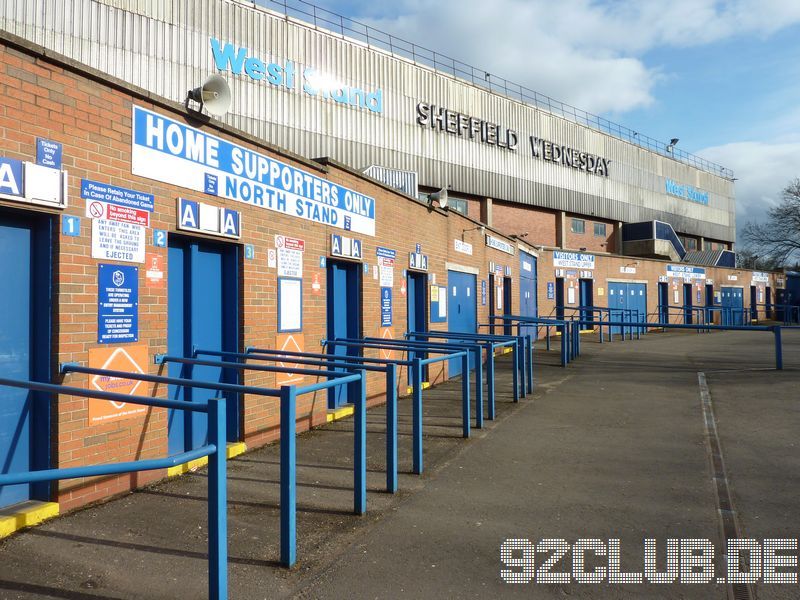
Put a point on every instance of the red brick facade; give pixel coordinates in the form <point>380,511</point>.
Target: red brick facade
<point>91,117</point>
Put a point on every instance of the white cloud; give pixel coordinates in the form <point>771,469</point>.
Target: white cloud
<point>584,52</point>
<point>763,171</point>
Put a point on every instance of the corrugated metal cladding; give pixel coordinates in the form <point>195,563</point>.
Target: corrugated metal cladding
<point>165,47</point>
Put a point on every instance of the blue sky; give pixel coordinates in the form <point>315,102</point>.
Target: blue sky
<point>721,75</point>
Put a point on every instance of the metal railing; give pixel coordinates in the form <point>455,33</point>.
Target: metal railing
<point>215,450</point>
<point>334,23</point>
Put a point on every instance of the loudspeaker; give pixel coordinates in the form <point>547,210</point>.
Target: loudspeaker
<point>214,95</point>
<point>440,197</point>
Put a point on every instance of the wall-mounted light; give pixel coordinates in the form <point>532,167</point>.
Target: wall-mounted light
<point>518,236</point>
<point>672,143</point>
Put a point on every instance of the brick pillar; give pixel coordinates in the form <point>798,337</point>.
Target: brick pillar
<point>486,211</point>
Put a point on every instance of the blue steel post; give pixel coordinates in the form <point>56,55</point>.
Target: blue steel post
<point>547,336</point>
<point>217,502</point>
<point>577,340</point>
<point>391,428</point>
<point>288,476</point>
<point>360,448</point>
<point>529,354</point>
<point>519,356</point>
<point>489,384</point>
<point>416,415</point>
<point>515,378</point>
<point>776,330</point>
<point>564,336</point>
<point>478,386</point>
<point>465,393</point>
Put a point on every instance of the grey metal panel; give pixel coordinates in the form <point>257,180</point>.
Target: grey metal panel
<point>164,47</point>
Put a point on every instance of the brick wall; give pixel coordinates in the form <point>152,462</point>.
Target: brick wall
<point>92,119</point>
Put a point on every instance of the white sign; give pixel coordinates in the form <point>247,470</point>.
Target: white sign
<point>170,151</point>
<point>628,270</point>
<point>733,278</point>
<point>95,209</point>
<point>290,263</point>
<point>499,244</point>
<point>573,260</point>
<point>386,266</point>
<point>272,258</point>
<point>117,240</point>
<point>760,277</point>
<point>463,247</point>
<point>686,272</point>
<point>571,295</point>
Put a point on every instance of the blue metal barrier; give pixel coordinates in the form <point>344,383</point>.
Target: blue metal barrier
<point>416,374</point>
<point>490,343</point>
<point>215,451</point>
<point>567,347</point>
<point>387,366</point>
<point>288,480</point>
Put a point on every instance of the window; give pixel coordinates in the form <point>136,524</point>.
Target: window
<point>457,204</point>
<point>690,243</point>
<point>600,229</point>
<point>578,226</point>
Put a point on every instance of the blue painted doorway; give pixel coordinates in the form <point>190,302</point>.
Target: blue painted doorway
<point>25,334</point>
<point>417,307</point>
<point>462,310</point>
<point>202,312</point>
<point>344,318</point>
<point>527,287</point>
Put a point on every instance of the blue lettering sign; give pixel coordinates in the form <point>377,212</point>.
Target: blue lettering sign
<point>242,174</point>
<point>117,304</point>
<point>70,225</point>
<point>159,238</point>
<point>386,307</point>
<point>228,57</point>
<point>230,222</point>
<point>356,249</point>
<point>188,214</point>
<point>685,191</point>
<point>93,190</point>
<point>211,184</point>
<point>385,252</point>
<point>11,177</point>
<point>551,290</point>
<point>48,153</point>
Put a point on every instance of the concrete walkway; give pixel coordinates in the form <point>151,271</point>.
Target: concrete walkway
<point>612,447</point>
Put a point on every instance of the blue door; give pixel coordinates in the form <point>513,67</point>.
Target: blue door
<point>732,306</point>
<point>768,300</point>
<point>508,307</point>
<point>663,302</point>
<point>527,287</point>
<point>417,310</point>
<point>203,313</point>
<point>586,301</point>
<point>25,270</point>
<point>617,301</point>
<point>637,301</point>
<point>753,303</point>
<point>687,303</point>
<point>343,319</point>
<point>560,298</point>
<point>462,310</point>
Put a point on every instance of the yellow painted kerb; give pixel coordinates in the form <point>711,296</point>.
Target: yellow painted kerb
<point>339,413</point>
<point>25,514</point>
<point>233,449</point>
<point>425,386</point>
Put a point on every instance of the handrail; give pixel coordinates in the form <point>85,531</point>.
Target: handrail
<point>416,375</point>
<point>215,451</point>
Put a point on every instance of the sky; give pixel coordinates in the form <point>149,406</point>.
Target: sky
<point>723,76</point>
